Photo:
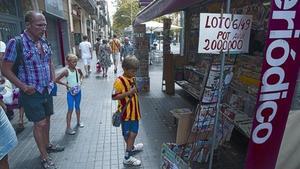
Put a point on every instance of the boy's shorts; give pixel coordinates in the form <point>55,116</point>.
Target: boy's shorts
<point>130,126</point>
<point>36,106</point>
<point>71,99</point>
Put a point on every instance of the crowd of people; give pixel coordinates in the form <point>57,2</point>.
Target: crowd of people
<point>34,78</point>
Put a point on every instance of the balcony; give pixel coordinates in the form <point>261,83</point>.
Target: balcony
<point>88,5</point>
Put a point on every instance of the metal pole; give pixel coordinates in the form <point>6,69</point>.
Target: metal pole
<point>182,15</point>
<point>222,54</point>
<point>131,37</point>
<point>218,109</point>
<point>131,12</point>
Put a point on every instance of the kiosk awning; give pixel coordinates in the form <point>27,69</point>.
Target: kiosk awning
<point>161,7</point>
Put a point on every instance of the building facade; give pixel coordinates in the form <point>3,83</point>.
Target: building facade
<point>56,13</point>
<point>67,22</point>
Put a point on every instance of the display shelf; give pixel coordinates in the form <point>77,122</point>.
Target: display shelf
<point>195,70</point>
<point>241,121</point>
<point>239,89</point>
<point>189,88</point>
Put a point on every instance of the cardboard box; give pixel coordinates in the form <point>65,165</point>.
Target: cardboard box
<point>184,118</point>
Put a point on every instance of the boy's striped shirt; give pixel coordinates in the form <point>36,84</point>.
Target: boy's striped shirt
<point>121,85</point>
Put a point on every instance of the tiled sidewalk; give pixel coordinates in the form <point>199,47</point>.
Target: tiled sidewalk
<point>99,145</point>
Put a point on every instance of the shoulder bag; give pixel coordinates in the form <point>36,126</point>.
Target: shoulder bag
<point>117,116</point>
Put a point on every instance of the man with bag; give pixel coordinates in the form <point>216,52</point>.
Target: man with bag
<point>27,63</point>
<point>127,49</point>
<point>115,50</point>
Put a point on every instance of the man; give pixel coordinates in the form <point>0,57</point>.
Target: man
<point>115,48</point>
<point>127,49</point>
<point>34,76</point>
<point>86,53</point>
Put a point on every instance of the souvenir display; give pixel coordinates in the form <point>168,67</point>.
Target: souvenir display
<point>205,115</point>
<point>200,77</point>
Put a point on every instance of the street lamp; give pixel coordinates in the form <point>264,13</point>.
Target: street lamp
<point>130,17</point>
<point>126,16</point>
<point>130,13</point>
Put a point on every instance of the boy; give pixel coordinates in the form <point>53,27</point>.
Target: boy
<point>125,91</point>
<point>74,77</point>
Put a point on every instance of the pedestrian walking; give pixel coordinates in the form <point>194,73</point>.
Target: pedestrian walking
<point>86,53</point>
<point>104,58</point>
<point>8,138</point>
<point>74,77</point>
<point>115,48</point>
<point>97,46</point>
<point>125,91</point>
<point>97,49</point>
<point>127,49</point>
<point>28,64</point>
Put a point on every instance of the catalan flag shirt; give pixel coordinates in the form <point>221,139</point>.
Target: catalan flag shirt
<point>121,85</point>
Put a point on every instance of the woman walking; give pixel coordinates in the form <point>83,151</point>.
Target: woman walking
<point>105,62</point>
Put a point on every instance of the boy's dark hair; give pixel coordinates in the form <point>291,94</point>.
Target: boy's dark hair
<point>104,41</point>
<point>98,39</point>
<point>130,62</point>
<point>85,37</point>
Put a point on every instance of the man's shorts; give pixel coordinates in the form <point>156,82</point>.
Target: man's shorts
<point>116,57</point>
<point>130,126</point>
<point>86,61</point>
<point>36,106</point>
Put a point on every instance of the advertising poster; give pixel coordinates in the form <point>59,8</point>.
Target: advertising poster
<point>204,120</point>
<point>278,80</point>
<point>224,32</point>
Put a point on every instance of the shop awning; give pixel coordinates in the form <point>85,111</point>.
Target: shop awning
<point>161,7</point>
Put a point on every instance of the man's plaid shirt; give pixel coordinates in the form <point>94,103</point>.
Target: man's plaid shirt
<point>36,70</point>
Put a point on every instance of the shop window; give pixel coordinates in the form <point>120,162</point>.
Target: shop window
<point>8,7</point>
<point>7,30</point>
<point>27,6</point>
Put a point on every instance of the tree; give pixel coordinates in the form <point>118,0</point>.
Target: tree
<point>121,19</point>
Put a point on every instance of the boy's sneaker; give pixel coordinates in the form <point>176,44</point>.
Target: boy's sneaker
<point>132,161</point>
<point>138,147</point>
<point>81,125</point>
<point>70,131</point>
<point>47,163</point>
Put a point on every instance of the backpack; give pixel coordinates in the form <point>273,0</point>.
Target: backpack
<point>19,59</point>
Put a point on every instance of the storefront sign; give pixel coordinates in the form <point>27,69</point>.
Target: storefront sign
<point>225,32</point>
<point>279,74</point>
<point>55,7</point>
